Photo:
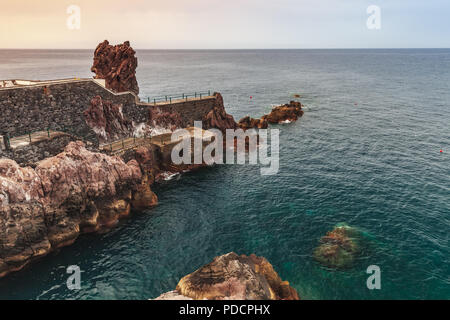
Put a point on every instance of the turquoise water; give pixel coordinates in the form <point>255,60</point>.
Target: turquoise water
<point>365,153</point>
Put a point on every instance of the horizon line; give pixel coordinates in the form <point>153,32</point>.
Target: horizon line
<point>224,49</point>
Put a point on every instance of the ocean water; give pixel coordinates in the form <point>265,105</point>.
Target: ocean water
<point>365,153</point>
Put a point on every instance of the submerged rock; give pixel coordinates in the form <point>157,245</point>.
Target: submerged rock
<point>230,277</point>
<point>77,191</point>
<point>117,65</point>
<point>338,248</point>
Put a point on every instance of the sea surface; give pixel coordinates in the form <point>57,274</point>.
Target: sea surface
<point>365,153</point>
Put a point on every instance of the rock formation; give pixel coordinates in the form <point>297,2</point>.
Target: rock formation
<point>280,114</point>
<point>107,120</point>
<point>288,112</point>
<point>233,277</point>
<point>250,123</point>
<point>117,65</point>
<point>218,118</point>
<point>160,120</point>
<point>48,207</point>
<point>338,248</point>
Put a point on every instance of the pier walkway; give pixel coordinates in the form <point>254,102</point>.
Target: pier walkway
<point>161,141</point>
<point>31,138</point>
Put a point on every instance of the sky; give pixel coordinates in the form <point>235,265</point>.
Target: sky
<point>224,24</point>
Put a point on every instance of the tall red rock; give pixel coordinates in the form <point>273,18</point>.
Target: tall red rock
<point>117,65</point>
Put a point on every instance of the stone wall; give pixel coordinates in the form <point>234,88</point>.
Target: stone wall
<point>30,154</point>
<point>191,111</point>
<point>56,106</point>
<point>60,106</point>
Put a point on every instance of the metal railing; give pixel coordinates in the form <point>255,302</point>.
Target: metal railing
<point>27,136</point>
<point>124,144</point>
<point>173,97</point>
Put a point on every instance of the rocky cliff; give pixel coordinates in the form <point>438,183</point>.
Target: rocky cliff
<point>107,120</point>
<point>163,121</point>
<point>117,65</point>
<point>233,277</point>
<point>77,191</point>
<point>218,118</point>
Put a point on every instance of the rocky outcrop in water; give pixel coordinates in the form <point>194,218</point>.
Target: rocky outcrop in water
<point>218,118</point>
<point>117,65</point>
<point>251,123</point>
<point>107,120</point>
<point>280,114</point>
<point>285,113</point>
<point>77,191</point>
<point>338,248</point>
<point>233,277</point>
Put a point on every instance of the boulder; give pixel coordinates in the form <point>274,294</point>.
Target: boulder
<point>338,248</point>
<point>233,277</point>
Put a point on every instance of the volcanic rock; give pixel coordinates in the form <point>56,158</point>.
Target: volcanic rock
<point>338,248</point>
<point>107,120</point>
<point>218,118</point>
<point>48,207</point>
<point>280,114</point>
<point>288,112</point>
<point>160,120</point>
<point>144,197</point>
<point>250,123</point>
<point>230,277</point>
<point>117,65</point>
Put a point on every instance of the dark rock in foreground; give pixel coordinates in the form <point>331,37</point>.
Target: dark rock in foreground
<point>233,277</point>
<point>117,65</point>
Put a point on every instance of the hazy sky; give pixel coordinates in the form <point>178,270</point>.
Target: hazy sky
<point>225,23</point>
